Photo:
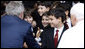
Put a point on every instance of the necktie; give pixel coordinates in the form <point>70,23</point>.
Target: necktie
<point>56,38</point>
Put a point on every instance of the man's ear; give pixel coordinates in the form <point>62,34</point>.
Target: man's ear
<point>74,20</point>
<point>60,19</point>
<point>21,15</point>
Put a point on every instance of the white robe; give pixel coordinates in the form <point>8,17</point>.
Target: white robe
<point>73,37</point>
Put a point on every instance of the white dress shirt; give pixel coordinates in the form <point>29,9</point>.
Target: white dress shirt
<point>60,31</point>
<point>73,37</point>
<point>38,39</point>
<point>69,22</point>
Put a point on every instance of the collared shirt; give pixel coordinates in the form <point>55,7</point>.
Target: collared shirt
<point>60,31</point>
<point>69,22</point>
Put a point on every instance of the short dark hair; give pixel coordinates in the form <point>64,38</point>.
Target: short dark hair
<point>28,12</point>
<point>45,14</point>
<point>45,3</point>
<point>65,6</point>
<point>58,12</point>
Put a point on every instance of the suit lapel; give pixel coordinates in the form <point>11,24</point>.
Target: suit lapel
<point>61,35</point>
<point>50,38</point>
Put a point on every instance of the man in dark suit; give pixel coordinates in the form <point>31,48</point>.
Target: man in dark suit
<point>48,38</point>
<point>51,38</point>
<point>14,30</point>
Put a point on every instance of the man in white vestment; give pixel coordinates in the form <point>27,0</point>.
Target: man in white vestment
<point>74,37</point>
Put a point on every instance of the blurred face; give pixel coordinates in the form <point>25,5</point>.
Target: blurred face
<point>45,21</point>
<point>66,12</point>
<point>53,21</point>
<point>42,9</point>
<point>29,19</point>
<point>34,24</point>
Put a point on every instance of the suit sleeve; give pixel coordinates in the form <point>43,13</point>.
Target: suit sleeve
<point>30,41</point>
<point>43,40</point>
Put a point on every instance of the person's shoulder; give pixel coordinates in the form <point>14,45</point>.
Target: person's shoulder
<point>68,31</point>
<point>4,16</point>
<point>26,25</point>
<point>49,29</point>
<point>25,22</point>
<point>46,31</point>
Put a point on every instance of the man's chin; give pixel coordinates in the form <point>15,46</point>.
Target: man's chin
<point>40,14</point>
<point>52,26</point>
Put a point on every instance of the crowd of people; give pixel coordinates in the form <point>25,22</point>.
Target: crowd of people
<point>42,24</point>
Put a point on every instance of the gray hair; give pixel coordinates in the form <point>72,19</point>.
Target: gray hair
<point>78,11</point>
<point>14,8</point>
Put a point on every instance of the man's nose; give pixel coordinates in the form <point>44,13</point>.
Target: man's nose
<point>39,10</point>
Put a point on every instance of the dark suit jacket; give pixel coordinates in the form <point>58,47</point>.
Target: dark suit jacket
<point>37,18</point>
<point>14,31</point>
<point>48,38</point>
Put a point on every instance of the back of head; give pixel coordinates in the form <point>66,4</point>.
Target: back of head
<point>45,3</point>
<point>65,6</point>
<point>78,11</point>
<point>14,8</point>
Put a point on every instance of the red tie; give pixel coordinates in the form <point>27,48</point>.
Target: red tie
<point>56,38</point>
